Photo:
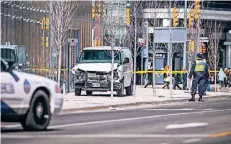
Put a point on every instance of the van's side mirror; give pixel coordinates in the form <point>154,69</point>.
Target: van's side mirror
<point>126,60</point>
<point>77,60</point>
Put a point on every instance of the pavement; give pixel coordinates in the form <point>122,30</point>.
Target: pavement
<point>206,122</point>
<point>143,97</point>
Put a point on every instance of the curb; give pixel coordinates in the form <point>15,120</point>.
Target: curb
<point>136,104</point>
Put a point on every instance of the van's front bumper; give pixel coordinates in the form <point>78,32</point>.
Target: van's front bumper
<point>98,86</point>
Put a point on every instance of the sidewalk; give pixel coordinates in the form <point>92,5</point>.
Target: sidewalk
<point>144,96</point>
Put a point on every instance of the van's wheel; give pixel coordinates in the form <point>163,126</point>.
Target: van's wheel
<point>39,114</point>
<point>129,89</point>
<point>77,91</point>
<point>120,91</point>
<point>89,93</point>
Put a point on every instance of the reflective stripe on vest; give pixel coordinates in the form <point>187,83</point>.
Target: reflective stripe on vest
<point>200,65</point>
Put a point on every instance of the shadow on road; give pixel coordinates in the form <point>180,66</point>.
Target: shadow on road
<point>21,130</point>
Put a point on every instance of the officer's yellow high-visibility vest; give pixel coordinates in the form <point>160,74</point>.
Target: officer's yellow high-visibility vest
<point>200,65</point>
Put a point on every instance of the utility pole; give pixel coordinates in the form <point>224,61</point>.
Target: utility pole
<point>170,47</point>
<point>186,33</point>
<point>135,54</point>
<point>154,57</point>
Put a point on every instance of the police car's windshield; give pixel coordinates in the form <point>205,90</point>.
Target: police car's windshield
<point>99,56</point>
<point>8,55</point>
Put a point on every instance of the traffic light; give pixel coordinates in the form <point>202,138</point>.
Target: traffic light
<point>128,16</point>
<point>93,12</point>
<point>190,20</point>
<point>43,22</point>
<point>175,17</point>
<point>191,46</point>
<point>197,9</point>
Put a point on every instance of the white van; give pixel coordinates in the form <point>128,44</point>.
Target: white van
<point>93,70</point>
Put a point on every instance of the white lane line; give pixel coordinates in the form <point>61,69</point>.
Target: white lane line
<point>187,125</point>
<point>191,140</point>
<point>186,109</point>
<point>130,119</point>
<point>10,126</point>
<point>109,136</point>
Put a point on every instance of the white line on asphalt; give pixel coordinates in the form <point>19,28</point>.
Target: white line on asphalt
<point>10,126</point>
<point>192,140</point>
<point>129,119</point>
<point>185,109</point>
<point>187,125</point>
<point>109,136</point>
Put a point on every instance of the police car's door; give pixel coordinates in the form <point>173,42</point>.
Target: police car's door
<point>11,95</point>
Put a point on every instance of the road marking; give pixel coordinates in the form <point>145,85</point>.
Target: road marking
<point>129,119</point>
<point>187,125</point>
<point>109,136</point>
<point>10,126</point>
<point>191,140</point>
<point>186,109</point>
<point>221,134</point>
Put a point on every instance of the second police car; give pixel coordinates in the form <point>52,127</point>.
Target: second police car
<point>27,98</point>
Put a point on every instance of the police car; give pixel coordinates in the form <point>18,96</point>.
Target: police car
<point>28,99</point>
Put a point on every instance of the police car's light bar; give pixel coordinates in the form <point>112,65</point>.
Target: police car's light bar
<point>57,89</point>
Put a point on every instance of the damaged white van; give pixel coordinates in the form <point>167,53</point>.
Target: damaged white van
<point>93,70</point>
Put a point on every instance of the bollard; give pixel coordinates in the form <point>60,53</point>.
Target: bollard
<point>64,88</point>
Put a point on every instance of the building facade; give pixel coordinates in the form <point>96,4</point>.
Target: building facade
<point>27,23</point>
<point>219,11</point>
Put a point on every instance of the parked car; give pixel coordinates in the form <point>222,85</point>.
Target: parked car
<point>15,54</point>
<point>93,70</point>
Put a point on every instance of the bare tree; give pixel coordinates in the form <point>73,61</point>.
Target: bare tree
<point>114,30</point>
<point>61,14</point>
<point>213,30</point>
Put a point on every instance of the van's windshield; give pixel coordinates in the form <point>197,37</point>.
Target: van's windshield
<point>99,56</point>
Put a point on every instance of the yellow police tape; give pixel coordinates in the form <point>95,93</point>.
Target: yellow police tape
<point>137,72</point>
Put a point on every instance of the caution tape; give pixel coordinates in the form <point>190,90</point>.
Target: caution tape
<point>48,69</point>
<point>137,72</point>
<point>165,72</point>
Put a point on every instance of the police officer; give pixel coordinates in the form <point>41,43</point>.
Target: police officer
<point>200,73</point>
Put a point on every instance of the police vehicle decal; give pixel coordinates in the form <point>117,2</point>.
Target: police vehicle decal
<point>6,109</point>
<point>27,86</point>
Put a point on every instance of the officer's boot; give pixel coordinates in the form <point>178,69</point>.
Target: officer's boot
<point>193,98</point>
<point>200,98</point>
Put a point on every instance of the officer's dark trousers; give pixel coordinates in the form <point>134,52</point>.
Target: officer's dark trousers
<point>201,81</point>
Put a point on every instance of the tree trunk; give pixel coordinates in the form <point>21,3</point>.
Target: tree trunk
<point>59,63</point>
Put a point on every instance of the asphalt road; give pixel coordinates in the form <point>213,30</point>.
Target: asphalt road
<point>207,122</point>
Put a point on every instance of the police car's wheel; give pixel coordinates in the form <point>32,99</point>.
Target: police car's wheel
<point>129,89</point>
<point>39,114</point>
<point>77,91</point>
<point>89,92</point>
<point>120,91</point>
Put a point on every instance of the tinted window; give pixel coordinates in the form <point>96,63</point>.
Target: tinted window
<point>8,55</point>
